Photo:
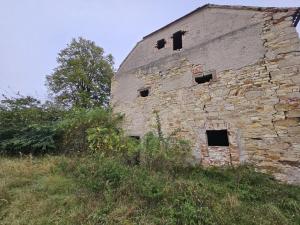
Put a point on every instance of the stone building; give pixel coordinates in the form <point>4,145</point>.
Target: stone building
<point>226,78</point>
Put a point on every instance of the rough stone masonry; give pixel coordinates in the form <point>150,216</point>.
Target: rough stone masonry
<point>226,78</point>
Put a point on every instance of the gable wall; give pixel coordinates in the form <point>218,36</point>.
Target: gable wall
<point>254,95</point>
<point>210,28</point>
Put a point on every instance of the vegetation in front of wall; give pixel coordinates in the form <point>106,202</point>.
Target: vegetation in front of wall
<point>29,127</point>
<point>121,180</point>
<point>105,190</point>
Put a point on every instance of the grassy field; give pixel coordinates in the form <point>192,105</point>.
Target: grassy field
<point>61,190</point>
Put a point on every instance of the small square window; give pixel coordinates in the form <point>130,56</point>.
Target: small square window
<point>144,92</point>
<point>217,138</point>
<point>135,137</point>
<point>161,44</point>
<point>203,79</point>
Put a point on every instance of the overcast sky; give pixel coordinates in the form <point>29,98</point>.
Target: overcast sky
<point>34,31</point>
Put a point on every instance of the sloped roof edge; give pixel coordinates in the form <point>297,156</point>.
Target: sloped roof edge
<point>237,7</point>
<point>128,55</point>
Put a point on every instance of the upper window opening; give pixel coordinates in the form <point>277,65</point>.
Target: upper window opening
<point>217,138</point>
<point>296,18</point>
<point>203,79</point>
<point>144,92</point>
<point>177,40</point>
<point>161,44</point>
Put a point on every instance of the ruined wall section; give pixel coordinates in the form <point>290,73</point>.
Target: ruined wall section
<point>258,103</point>
<point>282,62</point>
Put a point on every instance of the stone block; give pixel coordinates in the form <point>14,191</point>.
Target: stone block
<point>293,114</point>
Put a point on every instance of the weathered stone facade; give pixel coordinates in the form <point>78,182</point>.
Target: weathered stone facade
<point>253,55</point>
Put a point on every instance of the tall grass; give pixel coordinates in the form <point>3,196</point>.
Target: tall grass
<point>97,190</point>
<point>191,196</point>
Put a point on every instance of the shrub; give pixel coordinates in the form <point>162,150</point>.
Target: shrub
<point>79,121</point>
<point>34,139</point>
<point>111,142</point>
<point>28,126</point>
<point>164,153</point>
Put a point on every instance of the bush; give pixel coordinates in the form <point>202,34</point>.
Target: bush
<point>34,139</point>
<point>79,122</point>
<point>152,151</point>
<point>112,142</point>
<point>28,126</point>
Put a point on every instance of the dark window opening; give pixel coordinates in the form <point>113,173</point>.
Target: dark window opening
<point>217,137</point>
<point>136,137</point>
<point>161,44</point>
<point>296,18</point>
<point>203,79</point>
<point>177,40</point>
<point>144,93</point>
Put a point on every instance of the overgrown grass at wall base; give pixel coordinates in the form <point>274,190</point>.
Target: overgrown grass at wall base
<point>138,195</point>
<point>104,190</point>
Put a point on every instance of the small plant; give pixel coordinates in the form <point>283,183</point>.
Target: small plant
<point>165,153</point>
<point>158,126</point>
<point>160,152</point>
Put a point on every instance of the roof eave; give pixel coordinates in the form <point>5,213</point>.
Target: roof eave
<point>235,7</point>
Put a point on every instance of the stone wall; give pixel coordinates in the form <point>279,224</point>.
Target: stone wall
<point>258,104</point>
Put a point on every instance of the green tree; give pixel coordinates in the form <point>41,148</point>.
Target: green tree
<point>83,75</point>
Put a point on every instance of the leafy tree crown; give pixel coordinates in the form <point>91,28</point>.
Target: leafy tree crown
<point>83,75</point>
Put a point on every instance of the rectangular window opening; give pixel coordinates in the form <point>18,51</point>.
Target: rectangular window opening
<point>177,40</point>
<point>135,137</point>
<point>217,138</point>
<point>203,79</point>
<point>144,92</point>
<point>161,44</point>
